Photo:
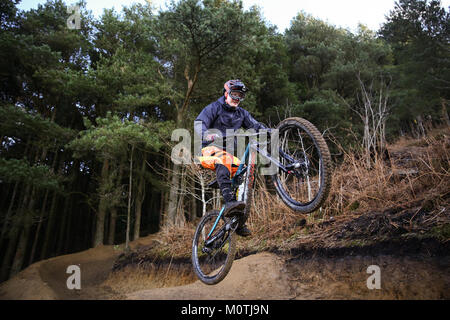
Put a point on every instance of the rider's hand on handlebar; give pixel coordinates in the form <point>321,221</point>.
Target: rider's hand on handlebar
<point>211,137</point>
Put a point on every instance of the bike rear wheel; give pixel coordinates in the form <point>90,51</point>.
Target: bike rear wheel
<point>303,188</point>
<point>213,262</point>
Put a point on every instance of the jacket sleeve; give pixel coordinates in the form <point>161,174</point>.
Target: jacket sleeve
<point>251,123</point>
<point>205,119</point>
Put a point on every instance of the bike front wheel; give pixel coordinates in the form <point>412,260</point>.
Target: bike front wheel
<point>305,185</point>
<point>212,260</point>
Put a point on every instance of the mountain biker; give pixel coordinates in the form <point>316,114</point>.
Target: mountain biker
<point>223,114</point>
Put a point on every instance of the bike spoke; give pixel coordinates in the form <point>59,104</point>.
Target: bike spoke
<point>301,184</point>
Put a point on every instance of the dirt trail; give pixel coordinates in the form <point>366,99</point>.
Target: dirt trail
<point>47,279</point>
<point>257,276</point>
<point>27,285</point>
<point>260,276</point>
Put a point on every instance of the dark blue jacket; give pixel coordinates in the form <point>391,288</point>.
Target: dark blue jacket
<point>219,115</point>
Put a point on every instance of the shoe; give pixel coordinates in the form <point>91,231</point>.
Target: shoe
<point>233,207</point>
<point>243,231</point>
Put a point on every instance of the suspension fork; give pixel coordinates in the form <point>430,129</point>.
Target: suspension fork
<point>221,233</point>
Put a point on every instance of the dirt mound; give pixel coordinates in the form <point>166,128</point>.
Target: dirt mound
<point>259,276</point>
<point>27,285</point>
<point>47,279</point>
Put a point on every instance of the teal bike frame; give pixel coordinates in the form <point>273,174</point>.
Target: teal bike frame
<point>247,185</point>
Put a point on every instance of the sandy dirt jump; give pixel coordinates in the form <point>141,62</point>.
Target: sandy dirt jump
<point>258,276</point>
<point>47,279</point>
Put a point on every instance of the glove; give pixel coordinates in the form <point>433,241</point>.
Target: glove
<point>211,137</point>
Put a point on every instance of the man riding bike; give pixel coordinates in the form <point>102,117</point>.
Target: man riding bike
<point>223,114</point>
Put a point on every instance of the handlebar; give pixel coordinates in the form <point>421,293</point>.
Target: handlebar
<point>247,134</point>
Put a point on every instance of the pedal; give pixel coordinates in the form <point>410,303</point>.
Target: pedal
<point>234,209</point>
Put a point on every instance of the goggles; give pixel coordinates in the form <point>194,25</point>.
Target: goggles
<point>237,95</point>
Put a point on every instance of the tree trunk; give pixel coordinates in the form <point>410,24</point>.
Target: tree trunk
<point>180,219</point>
<point>137,220</point>
<point>13,236</point>
<point>366,139</point>
<point>69,218</point>
<point>173,195</point>
<point>65,224</point>
<point>20,251</point>
<point>49,228</point>
<point>113,216</point>
<point>444,112</point>
<point>140,196</point>
<point>6,222</point>
<point>164,198</point>
<point>23,239</point>
<point>44,204</point>
<point>127,236</point>
<point>24,222</point>
<point>202,184</point>
<point>51,216</point>
<point>112,226</point>
<point>5,195</point>
<point>176,169</point>
<point>420,126</point>
<point>193,215</point>
<point>38,229</point>
<point>100,221</point>
<point>12,242</point>
<point>162,208</point>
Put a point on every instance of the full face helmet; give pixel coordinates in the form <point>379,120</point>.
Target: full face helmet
<point>236,89</point>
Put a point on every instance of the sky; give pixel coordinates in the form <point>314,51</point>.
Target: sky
<point>340,13</point>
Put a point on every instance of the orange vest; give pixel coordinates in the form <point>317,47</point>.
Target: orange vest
<point>213,155</point>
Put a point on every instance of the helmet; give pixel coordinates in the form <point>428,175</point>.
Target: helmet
<point>236,89</point>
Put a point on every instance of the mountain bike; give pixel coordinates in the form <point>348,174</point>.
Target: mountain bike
<point>302,179</point>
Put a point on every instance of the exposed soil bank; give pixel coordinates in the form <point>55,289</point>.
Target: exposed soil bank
<point>410,269</point>
<point>404,277</point>
<point>268,276</point>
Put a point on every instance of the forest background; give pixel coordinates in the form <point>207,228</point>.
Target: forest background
<point>87,110</point>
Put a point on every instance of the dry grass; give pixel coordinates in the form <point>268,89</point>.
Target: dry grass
<point>417,169</point>
<point>416,173</point>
